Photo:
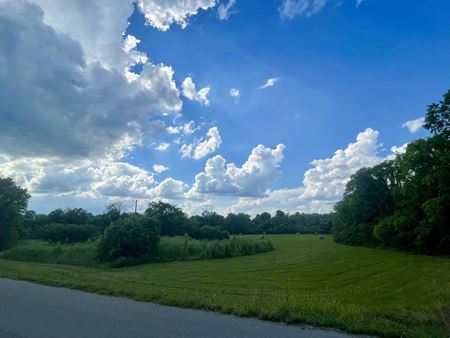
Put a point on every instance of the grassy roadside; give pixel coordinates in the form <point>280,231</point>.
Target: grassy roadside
<point>304,280</point>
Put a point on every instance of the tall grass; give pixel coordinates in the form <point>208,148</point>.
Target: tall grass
<point>169,249</point>
<point>81,254</point>
<point>186,248</point>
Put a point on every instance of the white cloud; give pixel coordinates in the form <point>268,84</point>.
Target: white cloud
<point>168,189</point>
<point>203,147</point>
<point>186,129</point>
<point>324,184</point>
<point>225,11</point>
<point>399,150</point>
<point>130,43</point>
<point>234,92</point>
<point>414,125</point>
<point>97,25</point>
<point>291,8</point>
<point>190,92</point>
<point>160,14</point>
<point>87,178</point>
<point>327,179</point>
<point>58,81</point>
<point>121,179</point>
<point>163,146</point>
<point>251,179</point>
<point>282,199</point>
<point>159,168</point>
<point>270,83</point>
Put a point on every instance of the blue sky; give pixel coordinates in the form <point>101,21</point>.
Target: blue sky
<point>340,68</point>
<point>341,71</point>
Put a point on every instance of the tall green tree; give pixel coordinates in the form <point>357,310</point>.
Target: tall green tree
<point>238,223</point>
<point>13,203</point>
<point>172,219</point>
<point>404,203</point>
<point>367,199</point>
<point>438,117</point>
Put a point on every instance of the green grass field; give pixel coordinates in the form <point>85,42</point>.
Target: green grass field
<point>304,280</point>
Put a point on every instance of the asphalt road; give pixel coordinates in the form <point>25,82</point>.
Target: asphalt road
<point>32,310</point>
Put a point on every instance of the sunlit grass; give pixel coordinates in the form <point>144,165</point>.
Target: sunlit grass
<point>304,280</point>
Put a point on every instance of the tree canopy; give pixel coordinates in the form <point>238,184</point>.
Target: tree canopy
<point>13,203</point>
<point>403,203</point>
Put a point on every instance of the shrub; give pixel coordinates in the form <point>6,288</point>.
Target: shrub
<point>134,237</point>
<point>67,233</point>
<point>397,231</point>
<point>209,232</point>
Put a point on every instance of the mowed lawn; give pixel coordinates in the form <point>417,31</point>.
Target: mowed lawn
<point>304,280</point>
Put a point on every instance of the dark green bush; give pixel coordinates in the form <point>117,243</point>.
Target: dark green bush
<point>134,237</point>
<point>209,232</point>
<point>67,233</point>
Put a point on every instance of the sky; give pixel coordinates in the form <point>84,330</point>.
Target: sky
<point>223,105</point>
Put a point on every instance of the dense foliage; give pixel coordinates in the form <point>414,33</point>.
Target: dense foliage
<point>131,237</point>
<point>172,219</point>
<point>403,203</point>
<point>67,233</point>
<point>13,202</point>
<point>209,232</point>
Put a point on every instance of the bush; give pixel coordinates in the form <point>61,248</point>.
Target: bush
<point>134,237</point>
<point>209,232</point>
<point>67,233</point>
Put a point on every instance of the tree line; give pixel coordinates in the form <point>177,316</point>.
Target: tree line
<point>403,203</point>
<point>77,224</point>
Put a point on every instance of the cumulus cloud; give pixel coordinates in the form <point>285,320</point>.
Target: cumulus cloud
<point>62,135</point>
<point>168,189</point>
<point>160,14</point>
<point>86,178</point>
<point>56,91</point>
<point>270,83</point>
<point>414,125</point>
<point>225,10</point>
<point>203,147</point>
<point>121,179</point>
<point>328,177</point>
<point>251,179</point>
<point>130,43</point>
<point>190,92</point>
<point>324,184</point>
<point>159,168</point>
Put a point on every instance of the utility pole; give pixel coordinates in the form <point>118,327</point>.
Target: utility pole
<point>135,206</point>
